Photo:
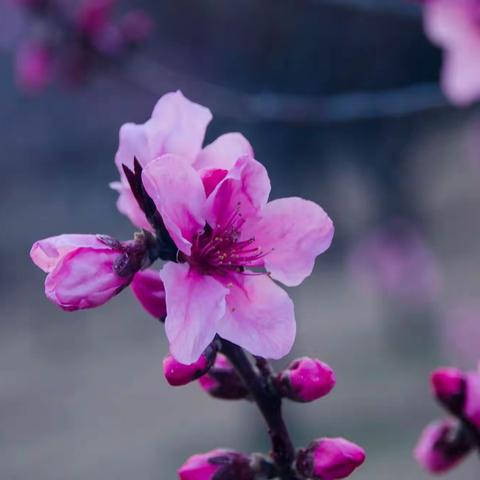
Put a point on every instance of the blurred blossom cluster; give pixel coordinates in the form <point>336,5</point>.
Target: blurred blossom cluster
<point>395,261</point>
<point>68,39</point>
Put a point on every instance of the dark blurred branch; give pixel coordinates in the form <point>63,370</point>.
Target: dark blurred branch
<point>155,79</point>
<point>402,8</point>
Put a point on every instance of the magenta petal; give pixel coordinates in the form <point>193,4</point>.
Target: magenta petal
<point>195,304</point>
<point>177,190</point>
<point>47,253</point>
<point>260,317</point>
<point>150,292</point>
<point>224,152</point>
<point>291,232</point>
<point>245,189</point>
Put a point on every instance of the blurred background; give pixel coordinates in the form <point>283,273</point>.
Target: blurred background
<point>340,101</point>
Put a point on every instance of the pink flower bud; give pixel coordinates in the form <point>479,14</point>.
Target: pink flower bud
<point>330,459</point>
<point>448,386</point>
<point>81,269</point>
<point>33,67</point>
<point>222,381</point>
<point>136,26</point>
<point>472,398</point>
<point>178,374</point>
<point>150,292</point>
<point>94,15</point>
<point>219,464</point>
<point>306,379</point>
<point>440,448</point>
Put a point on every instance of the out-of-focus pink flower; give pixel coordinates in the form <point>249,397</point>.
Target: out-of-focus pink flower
<point>94,15</point>
<point>454,25</point>
<point>306,379</point>
<point>34,66</point>
<point>218,464</point>
<point>80,270</point>
<point>220,238</point>
<point>330,459</point>
<point>394,260</point>
<point>448,386</point>
<point>178,374</point>
<point>177,126</point>
<point>136,26</point>
<point>472,397</point>
<point>222,381</point>
<point>150,292</point>
<point>439,448</point>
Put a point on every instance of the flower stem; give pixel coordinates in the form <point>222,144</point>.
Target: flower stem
<point>270,405</point>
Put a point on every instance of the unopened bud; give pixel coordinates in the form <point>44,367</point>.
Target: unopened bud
<point>472,398</point>
<point>330,459</point>
<point>441,446</point>
<point>306,379</point>
<point>448,386</point>
<point>218,464</point>
<point>222,381</point>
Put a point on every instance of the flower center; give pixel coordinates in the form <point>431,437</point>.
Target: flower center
<point>220,250</point>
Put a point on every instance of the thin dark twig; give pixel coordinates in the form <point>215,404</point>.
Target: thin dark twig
<point>155,79</point>
<point>270,405</point>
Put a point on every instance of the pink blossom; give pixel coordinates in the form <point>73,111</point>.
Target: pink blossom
<point>33,67</point>
<point>394,260</point>
<point>217,464</point>
<point>150,292</point>
<point>177,126</point>
<point>178,374</point>
<point>220,238</point>
<point>454,25</point>
<point>472,397</point>
<point>306,379</point>
<point>438,449</point>
<point>330,459</point>
<point>448,386</point>
<point>80,270</point>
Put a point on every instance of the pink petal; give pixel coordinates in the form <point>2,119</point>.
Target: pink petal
<point>150,292</point>
<point>244,190</point>
<point>47,253</point>
<point>291,232</point>
<point>128,205</point>
<point>195,304</point>
<point>211,178</point>
<point>179,125</point>
<point>260,317</point>
<point>178,193</point>
<point>224,152</point>
<point>133,143</point>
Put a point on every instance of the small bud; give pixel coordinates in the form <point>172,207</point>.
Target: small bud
<point>218,464</point>
<point>178,374</point>
<point>148,287</point>
<point>330,459</point>
<point>34,66</point>
<point>222,381</point>
<point>448,386</point>
<point>136,26</point>
<point>441,446</point>
<point>306,379</point>
<point>82,270</point>
<point>472,398</point>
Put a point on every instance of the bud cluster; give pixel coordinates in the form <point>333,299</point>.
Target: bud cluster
<point>70,40</point>
<point>443,444</point>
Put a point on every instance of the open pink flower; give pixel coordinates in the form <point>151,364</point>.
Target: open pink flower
<point>225,231</point>
<point>80,270</point>
<point>454,25</point>
<point>177,126</point>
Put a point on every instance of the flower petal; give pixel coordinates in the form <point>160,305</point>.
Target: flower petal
<point>224,152</point>
<point>128,205</point>
<point>245,189</point>
<point>291,232</point>
<point>150,292</point>
<point>133,143</point>
<point>195,304</point>
<point>260,317</point>
<point>178,193</point>
<point>47,253</point>
<point>178,125</point>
